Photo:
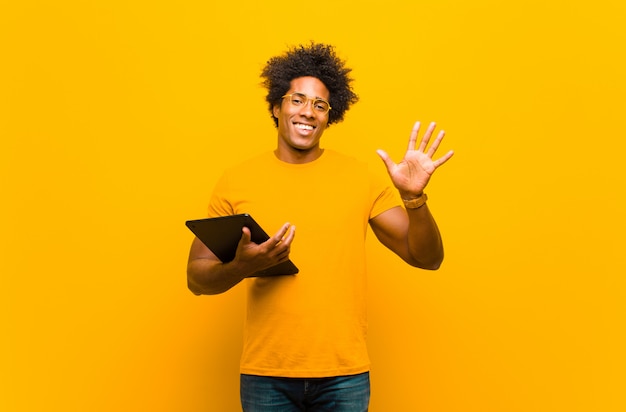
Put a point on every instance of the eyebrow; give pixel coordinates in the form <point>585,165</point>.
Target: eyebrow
<point>316,97</point>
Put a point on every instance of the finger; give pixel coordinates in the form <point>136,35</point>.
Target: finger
<point>278,236</point>
<point>390,164</point>
<point>286,240</point>
<point>443,159</point>
<point>244,241</point>
<point>435,145</point>
<point>283,254</point>
<point>289,237</point>
<point>283,257</point>
<point>246,237</point>
<point>426,138</point>
<point>413,137</point>
<point>284,246</point>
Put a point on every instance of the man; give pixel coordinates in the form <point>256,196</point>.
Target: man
<point>304,335</point>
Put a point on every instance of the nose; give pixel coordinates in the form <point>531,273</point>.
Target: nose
<point>307,108</point>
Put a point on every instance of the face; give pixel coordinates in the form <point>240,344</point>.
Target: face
<point>300,128</point>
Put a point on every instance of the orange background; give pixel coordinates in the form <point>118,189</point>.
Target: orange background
<point>116,118</point>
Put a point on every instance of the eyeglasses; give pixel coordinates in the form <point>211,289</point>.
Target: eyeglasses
<point>321,106</point>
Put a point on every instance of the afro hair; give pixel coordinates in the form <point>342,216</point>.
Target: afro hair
<point>315,60</point>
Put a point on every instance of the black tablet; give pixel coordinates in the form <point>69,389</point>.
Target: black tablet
<point>222,235</point>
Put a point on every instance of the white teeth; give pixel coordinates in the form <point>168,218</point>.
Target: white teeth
<point>304,126</point>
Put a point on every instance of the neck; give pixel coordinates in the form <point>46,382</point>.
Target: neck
<point>297,156</point>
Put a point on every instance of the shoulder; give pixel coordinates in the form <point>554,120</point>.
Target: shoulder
<point>344,160</point>
<point>257,162</point>
<point>369,168</point>
<point>263,158</point>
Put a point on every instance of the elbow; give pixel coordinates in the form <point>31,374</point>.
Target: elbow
<point>427,263</point>
<point>432,266</point>
<point>193,288</point>
<point>200,285</point>
<point>198,281</point>
<point>199,290</point>
<point>435,265</point>
<point>209,277</point>
<point>431,260</point>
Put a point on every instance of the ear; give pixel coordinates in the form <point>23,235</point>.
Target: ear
<point>276,110</point>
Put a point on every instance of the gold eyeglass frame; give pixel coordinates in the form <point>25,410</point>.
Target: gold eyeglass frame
<point>308,98</point>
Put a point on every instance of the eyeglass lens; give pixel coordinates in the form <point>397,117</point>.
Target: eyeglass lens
<point>298,99</point>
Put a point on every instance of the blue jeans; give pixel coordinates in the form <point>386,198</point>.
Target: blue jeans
<point>335,394</point>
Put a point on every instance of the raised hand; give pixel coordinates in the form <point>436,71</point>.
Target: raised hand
<point>412,174</point>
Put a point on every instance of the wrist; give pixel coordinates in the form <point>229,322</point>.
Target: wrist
<point>408,195</point>
<point>414,201</point>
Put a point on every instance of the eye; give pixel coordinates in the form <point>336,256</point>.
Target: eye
<point>320,105</point>
<point>298,99</point>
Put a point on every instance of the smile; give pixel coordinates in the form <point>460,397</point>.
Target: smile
<point>303,126</point>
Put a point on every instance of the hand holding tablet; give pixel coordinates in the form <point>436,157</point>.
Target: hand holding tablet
<point>222,234</point>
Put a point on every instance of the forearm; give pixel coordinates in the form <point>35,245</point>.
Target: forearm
<point>424,240</point>
<point>210,277</point>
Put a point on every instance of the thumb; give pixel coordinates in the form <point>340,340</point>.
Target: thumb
<point>244,241</point>
<point>246,237</point>
<point>386,159</point>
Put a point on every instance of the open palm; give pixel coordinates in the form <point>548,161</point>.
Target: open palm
<point>412,174</point>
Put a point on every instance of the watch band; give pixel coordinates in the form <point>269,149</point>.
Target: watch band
<point>415,203</point>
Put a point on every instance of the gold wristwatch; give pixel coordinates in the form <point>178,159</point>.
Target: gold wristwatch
<point>415,203</point>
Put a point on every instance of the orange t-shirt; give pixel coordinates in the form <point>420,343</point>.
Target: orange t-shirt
<point>312,324</point>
